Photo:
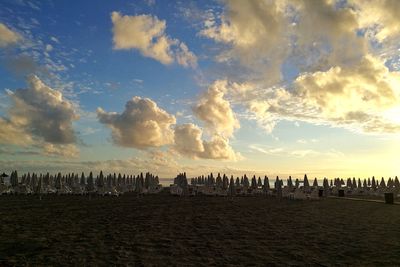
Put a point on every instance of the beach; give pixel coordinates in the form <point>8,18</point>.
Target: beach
<point>162,230</point>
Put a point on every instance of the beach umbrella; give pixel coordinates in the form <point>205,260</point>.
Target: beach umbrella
<point>382,184</point>
<point>146,181</point>
<point>82,181</point>
<point>266,183</point>
<point>349,184</point>
<point>218,180</point>
<point>246,182</point>
<point>337,182</point>
<point>354,184</point>
<point>100,180</point>
<point>225,181</point>
<point>259,183</point>
<point>305,181</point>
<point>13,179</point>
<point>39,187</point>
<point>28,179</point>
<point>237,183</point>
<point>212,180</point>
<point>289,182</point>
<point>278,187</point>
<point>34,180</point>
<point>315,183</point>
<point>58,184</point>
<point>277,182</point>
<point>373,183</point>
<point>46,179</point>
<point>390,183</point>
<point>231,189</point>
<point>359,183</point>
<point>119,179</point>
<point>297,183</point>
<point>396,183</point>
<point>254,182</point>
<point>109,181</point>
<point>139,185</point>
<point>365,185</point>
<point>325,183</point>
<point>90,183</point>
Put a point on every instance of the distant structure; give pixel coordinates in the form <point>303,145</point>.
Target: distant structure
<point>301,189</point>
<point>71,184</point>
<point>113,184</point>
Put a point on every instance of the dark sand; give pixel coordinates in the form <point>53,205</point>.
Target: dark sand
<point>196,231</point>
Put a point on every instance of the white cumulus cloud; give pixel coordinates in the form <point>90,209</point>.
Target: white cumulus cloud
<point>189,142</point>
<point>39,116</point>
<point>146,33</point>
<point>215,111</point>
<point>141,125</point>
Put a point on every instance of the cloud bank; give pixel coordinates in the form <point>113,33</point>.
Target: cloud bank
<point>339,77</point>
<point>41,117</point>
<point>146,34</point>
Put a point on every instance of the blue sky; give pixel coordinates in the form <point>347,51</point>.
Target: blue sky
<point>264,87</point>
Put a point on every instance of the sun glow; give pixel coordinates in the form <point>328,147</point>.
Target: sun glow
<point>393,114</point>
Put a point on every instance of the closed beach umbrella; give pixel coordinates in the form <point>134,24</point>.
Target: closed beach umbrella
<point>289,182</point>
<point>305,181</point>
<point>266,183</point>
<point>232,187</point>
<point>348,184</point>
<point>396,183</point>
<point>259,183</point>
<point>382,184</point>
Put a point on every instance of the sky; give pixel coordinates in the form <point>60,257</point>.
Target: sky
<point>258,87</point>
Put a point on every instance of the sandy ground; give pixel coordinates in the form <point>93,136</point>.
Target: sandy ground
<point>198,231</point>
